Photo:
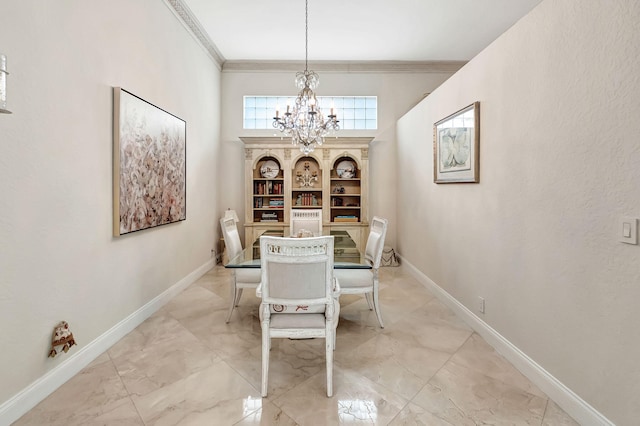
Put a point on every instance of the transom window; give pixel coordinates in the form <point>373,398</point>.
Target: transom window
<point>353,112</point>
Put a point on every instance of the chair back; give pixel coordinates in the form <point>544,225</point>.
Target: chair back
<point>310,220</point>
<point>231,236</point>
<point>296,271</point>
<point>375,242</point>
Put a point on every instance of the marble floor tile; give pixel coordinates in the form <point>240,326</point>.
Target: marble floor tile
<point>463,396</point>
<point>291,362</point>
<point>431,326</point>
<point>216,395</point>
<point>94,392</point>
<point>476,354</point>
<point>184,365</point>
<point>356,400</point>
<point>400,367</point>
<point>267,415</point>
<point>556,416</point>
<point>414,415</point>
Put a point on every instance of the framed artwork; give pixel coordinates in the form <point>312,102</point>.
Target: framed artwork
<point>456,147</point>
<point>149,165</point>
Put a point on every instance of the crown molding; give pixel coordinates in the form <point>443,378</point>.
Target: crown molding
<point>191,22</point>
<point>346,66</point>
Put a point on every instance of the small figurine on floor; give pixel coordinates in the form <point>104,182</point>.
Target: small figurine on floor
<point>61,336</point>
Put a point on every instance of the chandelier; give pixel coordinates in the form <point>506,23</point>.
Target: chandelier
<point>304,122</point>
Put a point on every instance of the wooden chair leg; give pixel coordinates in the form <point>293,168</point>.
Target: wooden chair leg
<point>329,338</point>
<point>266,346</point>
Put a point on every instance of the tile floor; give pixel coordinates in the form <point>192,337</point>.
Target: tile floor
<point>185,366</point>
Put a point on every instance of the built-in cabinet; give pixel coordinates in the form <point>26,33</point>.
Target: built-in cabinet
<point>334,178</point>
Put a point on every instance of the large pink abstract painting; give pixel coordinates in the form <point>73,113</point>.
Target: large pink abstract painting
<point>149,165</point>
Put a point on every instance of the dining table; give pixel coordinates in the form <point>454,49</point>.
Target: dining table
<point>345,251</point>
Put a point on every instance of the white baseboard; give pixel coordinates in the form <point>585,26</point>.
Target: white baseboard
<point>575,406</point>
<point>25,400</point>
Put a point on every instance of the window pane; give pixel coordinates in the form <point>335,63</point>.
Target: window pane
<point>271,103</point>
<point>353,112</point>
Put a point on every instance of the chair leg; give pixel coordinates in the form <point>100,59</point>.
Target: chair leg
<point>329,339</point>
<point>369,302</point>
<point>266,346</point>
<point>232,297</point>
<point>238,296</point>
<point>376,305</point>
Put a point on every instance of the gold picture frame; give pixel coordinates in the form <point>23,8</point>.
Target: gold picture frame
<point>456,147</point>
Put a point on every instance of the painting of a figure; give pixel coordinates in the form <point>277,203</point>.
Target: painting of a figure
<point>456,146</point>
<point>149,159</point>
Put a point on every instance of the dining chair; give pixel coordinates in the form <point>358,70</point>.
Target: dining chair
<point>299,295</point>
<point>306,220</point>
<point>365,281</point>
<point>240,278</point>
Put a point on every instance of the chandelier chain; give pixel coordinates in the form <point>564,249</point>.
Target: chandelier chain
<point>306,35</point>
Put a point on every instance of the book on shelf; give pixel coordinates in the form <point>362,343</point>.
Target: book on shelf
<point>269,217</point>
<point>345,218</point>
<point>276,203</point>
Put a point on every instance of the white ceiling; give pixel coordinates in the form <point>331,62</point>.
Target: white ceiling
<point>356,30</point>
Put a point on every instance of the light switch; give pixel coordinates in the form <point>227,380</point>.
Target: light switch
<point>628,229</point>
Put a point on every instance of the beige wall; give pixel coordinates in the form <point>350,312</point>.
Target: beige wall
<point>560,165</point>
<point>58,260</point>
<point>397,93</point>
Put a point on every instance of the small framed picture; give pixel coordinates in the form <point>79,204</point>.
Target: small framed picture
<point>456,147</point>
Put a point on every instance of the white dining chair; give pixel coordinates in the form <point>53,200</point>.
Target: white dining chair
<point>299,295</point>
<point>309,220</point>
<point>241,278</point>
<point>365,281</point>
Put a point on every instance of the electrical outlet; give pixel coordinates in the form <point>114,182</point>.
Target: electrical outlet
<point>481,304</point>
<point>213,253</point>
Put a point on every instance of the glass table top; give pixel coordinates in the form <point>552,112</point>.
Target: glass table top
<point>346,254</point>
